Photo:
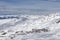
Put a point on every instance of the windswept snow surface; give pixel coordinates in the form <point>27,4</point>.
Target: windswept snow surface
<point>16,28</point>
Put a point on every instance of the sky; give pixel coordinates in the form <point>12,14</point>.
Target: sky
<point>29,6</point>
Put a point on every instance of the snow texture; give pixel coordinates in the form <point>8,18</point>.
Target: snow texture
<point>30,27</point>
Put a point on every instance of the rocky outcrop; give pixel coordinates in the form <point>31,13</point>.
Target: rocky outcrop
<point>32,31</point>
<point>17,33</point>
<point>39,30</point>
<point>58,21</point>
<point>4,33</point>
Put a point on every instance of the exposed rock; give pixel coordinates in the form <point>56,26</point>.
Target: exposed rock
<point>58,21</point>
<point>36,30</point>
<point>29,32</point>
<point>12,36</point>
<point>20,33</point>
<point>17,31</point>
<point>4,33</point>
<point>44,30</point>
<point>39,30</point>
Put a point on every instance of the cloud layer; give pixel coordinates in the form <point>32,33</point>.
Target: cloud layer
<point>29,6</point>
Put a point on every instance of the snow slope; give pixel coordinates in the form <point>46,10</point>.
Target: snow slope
<point>16,29</point>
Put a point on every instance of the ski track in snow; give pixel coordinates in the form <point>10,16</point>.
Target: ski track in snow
<point>11,29</point>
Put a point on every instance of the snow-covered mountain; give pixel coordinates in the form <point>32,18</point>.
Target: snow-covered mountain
<point>30,27</point>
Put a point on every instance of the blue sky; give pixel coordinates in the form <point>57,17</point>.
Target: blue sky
<point>29,6</point>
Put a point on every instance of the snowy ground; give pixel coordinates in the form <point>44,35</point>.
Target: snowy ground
<point>17,28</point>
